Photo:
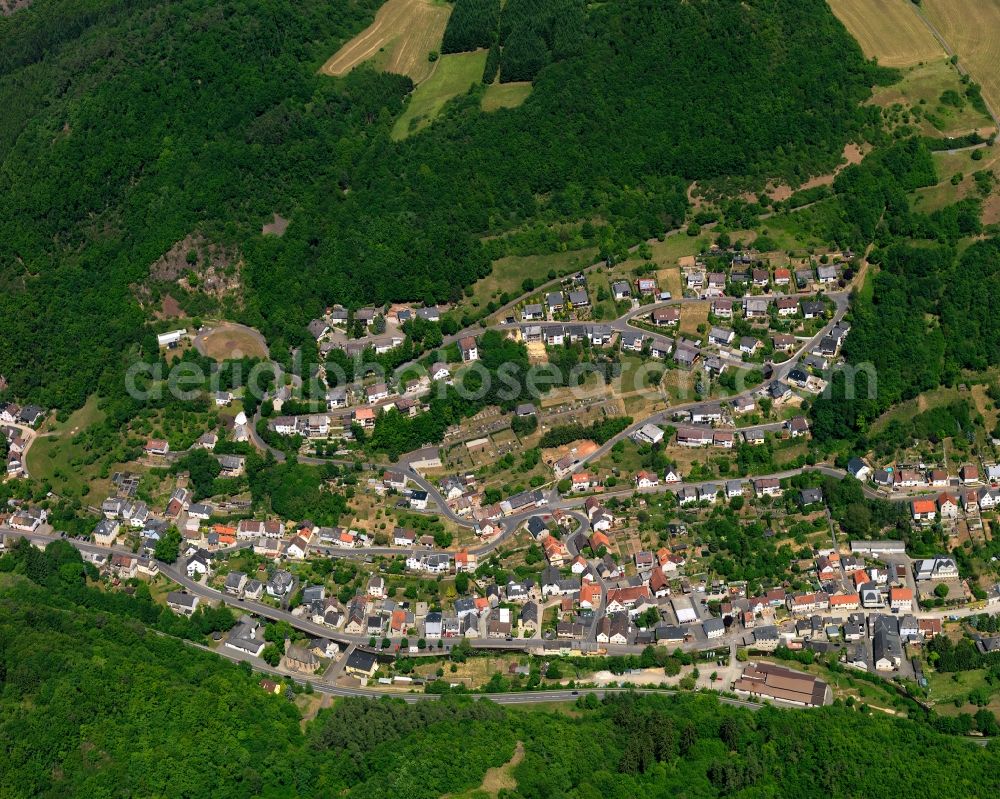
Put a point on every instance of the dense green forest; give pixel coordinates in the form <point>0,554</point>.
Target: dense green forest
<point>523,36</point>
<point>93,703</point>
<point>129,125</point>
<point>472,24</point>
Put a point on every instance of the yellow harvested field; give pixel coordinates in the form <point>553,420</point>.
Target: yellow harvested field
<point>399,40</point>
<point>889,30</point>
<point>972,30</point>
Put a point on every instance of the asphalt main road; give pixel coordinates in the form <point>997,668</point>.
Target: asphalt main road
<point>509,698</point>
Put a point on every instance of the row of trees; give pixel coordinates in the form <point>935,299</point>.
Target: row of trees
<point>600,431</point>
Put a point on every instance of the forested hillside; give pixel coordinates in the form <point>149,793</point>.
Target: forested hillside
<point>523,36</point>
<point>94,704</point>
<point>128,125</point>
<point>932,314</point>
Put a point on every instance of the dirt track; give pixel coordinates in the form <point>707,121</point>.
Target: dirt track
<point>403,33</point>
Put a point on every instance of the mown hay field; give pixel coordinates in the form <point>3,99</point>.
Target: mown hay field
<point>889,30</point>
<point>399,40</point>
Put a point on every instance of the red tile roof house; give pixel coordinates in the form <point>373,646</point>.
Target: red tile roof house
<point>646,480</point>
<point>666,316</point>
<point>156,446</point>
<point>924,510</point>
<point>938,478</point>
<point>901,599</point>
<point>767,486</point>
<point>845,601</point>
<point>470,352</point>
<point>787,306</point>
<point>806,603</point>
<point>658,583</point>
<point>722,308</point>
<point>783,341</point>
<point>590,596</point>
<point>625,598</point>
<point>364,417</point>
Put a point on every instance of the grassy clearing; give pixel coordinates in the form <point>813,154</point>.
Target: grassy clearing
<point>666,252</point>
<point>867,290</point>
<point>959,163</point>
<point>938,196</point>
<point>937,398</point>
<point>991,212</point>
<point>889,30</point>
<point>905,411</point>
<point>505,95</point>
<point>802,230</point>
<point>51,455</point>
<point>694,315</point>
<point>508,273</point>
<point>399,40</point>
<point>947,689</point>
<point>453,75</point>
<point>562,708</point>
<point>669,279</point>
<point>922,87</point>
<point>972,30</point>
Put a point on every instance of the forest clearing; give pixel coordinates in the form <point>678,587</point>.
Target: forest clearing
<point>454,75</point>
<point>230,340</point>
<point>928,87</point>
<point>505,95</point>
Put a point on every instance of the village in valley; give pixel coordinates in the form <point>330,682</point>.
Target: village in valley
<point>663,520</point>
